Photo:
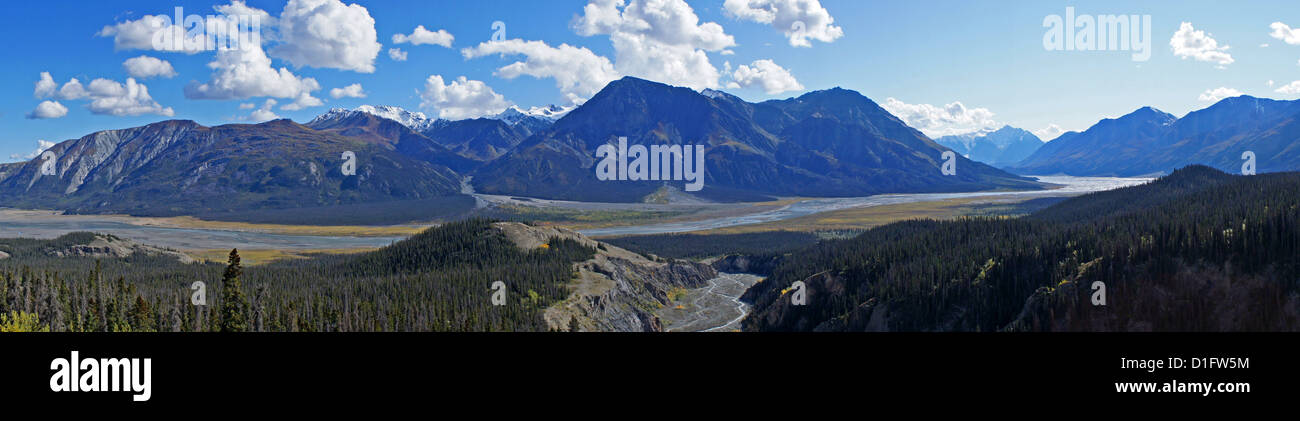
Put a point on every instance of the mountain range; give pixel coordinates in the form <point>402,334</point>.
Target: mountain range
<point>1002,147</point>
<point>833,142</point>
<point>1149,141</point>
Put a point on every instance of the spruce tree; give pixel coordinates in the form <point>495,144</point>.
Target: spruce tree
<point>233,304</point>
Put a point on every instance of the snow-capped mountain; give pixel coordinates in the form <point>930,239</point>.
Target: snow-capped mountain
<point>533,118</point>
<point>415,120</point>
<point>514,113</point>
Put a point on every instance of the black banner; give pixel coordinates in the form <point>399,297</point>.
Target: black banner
<point>189,370</point>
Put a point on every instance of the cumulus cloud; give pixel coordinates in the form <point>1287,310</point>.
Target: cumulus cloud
<point>1292,88</point>
<point>935,121</point>
<point>139,34</point>
<point>661,40</point>
<point>396,54</point>
<point>262,113</point>
<point>327,34</point>
<point>45,86</point>
<point>578,72</point>
<point>73,89</point>
<point>112,98</point>
<point>461,99</point>
<point>145,67</point>
<point>41,146</point>
<point>1048,133</point>
<point>247,73</point>
<point>107,97</point>
<point>1188,42</point>
<point>423,36</point>
<point>350,91</point>
<point>304,100</point>
<point>1285,33</point>
<point>799,20</point>
<point>766,74</point>
<point>1216,94</point>
<point>48,109</point>
<point>161,33</point>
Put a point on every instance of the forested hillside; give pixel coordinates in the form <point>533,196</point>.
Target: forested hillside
<point>439,280</point>
<point>1196,250</point>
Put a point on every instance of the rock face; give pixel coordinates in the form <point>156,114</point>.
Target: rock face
<point>616,290</point>
<point>109,246</point>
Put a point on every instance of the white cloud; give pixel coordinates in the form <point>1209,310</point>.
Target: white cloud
<point>1292,88</point>
<point>112,98</point>
<point>661,40</point>
<point>139,35</point>
<point>145,67</point>
<point>396,54</point>
<point>48,109</point>
<point>350,91</point>
<point>304,100</point>
<point>327,34</point>
<point>73,89</point>
<point>461,99</point>
<point>41,146</point>
<point>107,97</point>
<point>1216,94</point>
<point>766,74</point>
<point>1285,33</point>
<point>45,86</point>
<point>934,121</point>
<point>578,72</point>
<point>1048,133</point>
<point>423,36</point>
<point>160,33</point>
<point>247,73</point>
<point>261,114</point>
<point>247,106</point>
<point>1188,42</point>
<point>799,20</point>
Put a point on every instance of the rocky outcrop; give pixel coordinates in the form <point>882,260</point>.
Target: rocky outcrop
<point>615,290</point>
<point>113,247</point>
<point>758,265</point>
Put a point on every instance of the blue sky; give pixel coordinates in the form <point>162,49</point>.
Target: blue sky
<point>918,58</point>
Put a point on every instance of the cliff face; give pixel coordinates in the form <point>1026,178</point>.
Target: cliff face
<point>616,290</point>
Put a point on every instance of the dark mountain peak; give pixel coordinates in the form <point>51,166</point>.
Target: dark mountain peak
<point>282,123</point>
<point>836,95</point>
<point>1249,104</point>
<point>1148,113</point>
<point>174,124</point>
<point>632,84</point>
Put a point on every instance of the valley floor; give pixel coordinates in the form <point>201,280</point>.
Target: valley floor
<point>266,242</point>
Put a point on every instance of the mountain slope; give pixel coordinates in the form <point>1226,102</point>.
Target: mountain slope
<point>1196,250</point>
<point>1002,147</point>
<point>1106,149</point>
<point>183,168</point>
<point>826,143</point>
<point>474,140</point>
<point>1146,142</point>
